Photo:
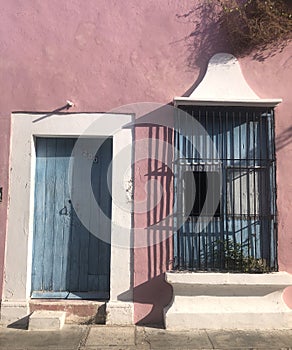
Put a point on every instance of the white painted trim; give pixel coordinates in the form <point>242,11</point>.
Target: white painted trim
<point>187,101</point>
<point>25,126</point>
<point>282,279</point>
<point>31,217</point>
<point>13,310</point>
<point>224,85</point>
<point>119,313</point>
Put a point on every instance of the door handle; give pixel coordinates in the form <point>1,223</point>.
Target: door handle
<point>64,211</point>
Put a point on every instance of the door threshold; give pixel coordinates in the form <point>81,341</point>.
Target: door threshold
<point>66,295</point>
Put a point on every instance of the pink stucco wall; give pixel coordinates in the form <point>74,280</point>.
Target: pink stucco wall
<point>107,53</point>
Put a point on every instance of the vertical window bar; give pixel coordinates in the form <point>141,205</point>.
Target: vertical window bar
<point>178,184</point>
<point>262,143</point>
<point>186,233</point>
<point>240,187</point>
<point>273,186</point>
<point>270,154</point>
<point>220,244</point>
<point>206,160</point>
<point>226,240</point>
<point>248,182</point>
<point>272,194</point>
<point>191,222</point>
<point>199,141</point>
<point>211,239</point>
<point>255,218</point>
<point>198,231</point>
<point>232,155</point>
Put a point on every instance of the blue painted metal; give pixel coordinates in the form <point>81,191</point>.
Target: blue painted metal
<point>242,151</point>
<point>69,259</point>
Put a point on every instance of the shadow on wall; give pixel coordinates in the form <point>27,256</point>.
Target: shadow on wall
<point>159,183</point>
<point>284,139</point>
<point>154,295</point>
<point>206,39</point>
<point>158,294</point>
<point>153,213</point>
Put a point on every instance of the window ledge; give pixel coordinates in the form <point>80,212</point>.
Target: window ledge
<point>281,279</point>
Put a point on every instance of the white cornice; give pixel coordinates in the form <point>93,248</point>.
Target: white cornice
<point>224,85</point>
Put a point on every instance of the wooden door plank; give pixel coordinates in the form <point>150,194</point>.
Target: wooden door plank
<point>85,232</point>
<point>67,256</point>
<point>39,215</point>
<point>74,243</point>
<point>62,214</point>
<point>105,157</point>
<point>93,253</point>
<point>49,230</point>
<point>67,228</point>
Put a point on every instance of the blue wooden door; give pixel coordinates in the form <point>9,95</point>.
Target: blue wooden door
<point>69,259</point>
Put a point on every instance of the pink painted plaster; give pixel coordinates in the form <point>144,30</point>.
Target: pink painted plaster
<point>102,54</point>
<point>108,53</point>
<point>153,255</point>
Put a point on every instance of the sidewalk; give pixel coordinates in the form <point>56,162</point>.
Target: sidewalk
<point>141,338</point>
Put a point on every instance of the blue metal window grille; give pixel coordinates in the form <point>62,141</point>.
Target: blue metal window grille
<point>237,232</point>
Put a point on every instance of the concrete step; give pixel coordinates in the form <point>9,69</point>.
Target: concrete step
<point>228,301</point>
<point>77,311</point>
<point>46,320</point>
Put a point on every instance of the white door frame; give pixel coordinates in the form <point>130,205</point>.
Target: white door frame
<point>18,254</point>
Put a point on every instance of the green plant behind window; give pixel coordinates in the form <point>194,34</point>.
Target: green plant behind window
<point>234,258</point>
